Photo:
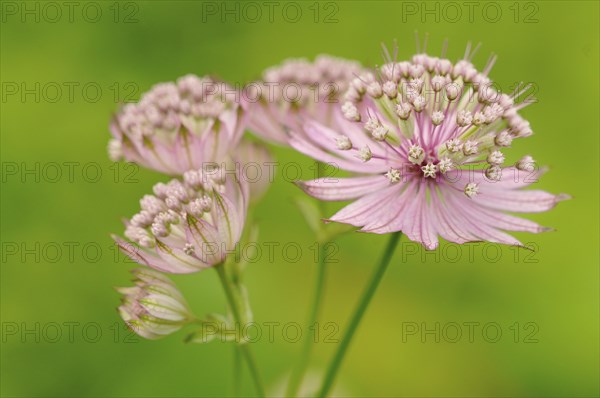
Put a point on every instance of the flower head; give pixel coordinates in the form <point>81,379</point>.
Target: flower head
<point>179,126</point>
<point>188,225</point>
<point>298,88</point>
<point>153,307</point>
<point>437,170</point>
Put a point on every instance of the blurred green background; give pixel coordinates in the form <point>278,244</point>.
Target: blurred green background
<point>550,297</point>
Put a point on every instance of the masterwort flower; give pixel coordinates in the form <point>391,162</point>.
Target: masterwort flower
<point>153,307</point>
<point>429,137</point>
<point>188,225</point>
<point>176,127</point>
<point>295,89</point>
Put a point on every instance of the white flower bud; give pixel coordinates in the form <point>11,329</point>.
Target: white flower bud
<point>374,89</point>
<point>416,154</point>
<point>526,164</point>
<point>445,165</point>
<point>464,118</point>
<point>437,118</point>
<point>365,153</point>
<point>371,124</point>
<point>419,103</point>
<point>470,147</point>
<point>496,158</point>
<point>350,111</point>
<point>393,175</point>
<point>343,143</point>
<point>493,173</point>
<point>479,119</point>
<point>471,189</point>
<point>454,145</point>
<point>429,170</point>
<point>390,89</point>
<point>403,110</point>
<point>379,134</point>
<point>503,138</point>
<point>452,91</point>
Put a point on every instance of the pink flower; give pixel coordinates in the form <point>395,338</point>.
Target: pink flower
<point>296,89</point>
<point>427,138</point>
<point>189,225</point>
<point>179,126</point>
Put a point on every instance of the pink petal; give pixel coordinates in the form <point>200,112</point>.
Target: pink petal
<point>528,201</point>
<point>316,140</point>
<point>396,211</point>
<point>358,213</point>
<point>507,222</point>
<point>206,240</point>
<point>177,259</point>
<point>143,257</point>
<point>412,217</point>
<point>512,178</point>
<point>343,188</point>
<point>227,220</point>
<point>461,207</point>
<point>265,125</point>
<point>446,224</point>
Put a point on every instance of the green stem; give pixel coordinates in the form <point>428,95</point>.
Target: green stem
<point>237,371</point>
<point>238,320</point>
<point>298,374</point>
<point>247,353</point>
<point>358,314</point>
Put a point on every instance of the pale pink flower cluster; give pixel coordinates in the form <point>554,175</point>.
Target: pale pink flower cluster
<point>188,225</point>
<point>296,90</point>
<point>427,137</point>
<point>176,127</point>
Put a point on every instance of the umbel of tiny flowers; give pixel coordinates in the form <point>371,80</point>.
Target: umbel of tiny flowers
<point>179,126</point>
<point>428,137</point>
<point>153,307</point>
<point>188,225</point>
<point>296,89</point>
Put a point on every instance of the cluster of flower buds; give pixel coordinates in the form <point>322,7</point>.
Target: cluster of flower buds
<point>179,126</point>
<point>153,307</point>
<point>448,114</point>
<point>188,225</point>
<point>298,88</point>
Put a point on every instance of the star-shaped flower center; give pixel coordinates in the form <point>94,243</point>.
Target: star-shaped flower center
<point>429,170</point>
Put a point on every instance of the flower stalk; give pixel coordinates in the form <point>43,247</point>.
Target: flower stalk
<point>323,240</point>
<point>235,310</point>
<point>237,371</point>
<point>358,314</point>
<point>298,373</point>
